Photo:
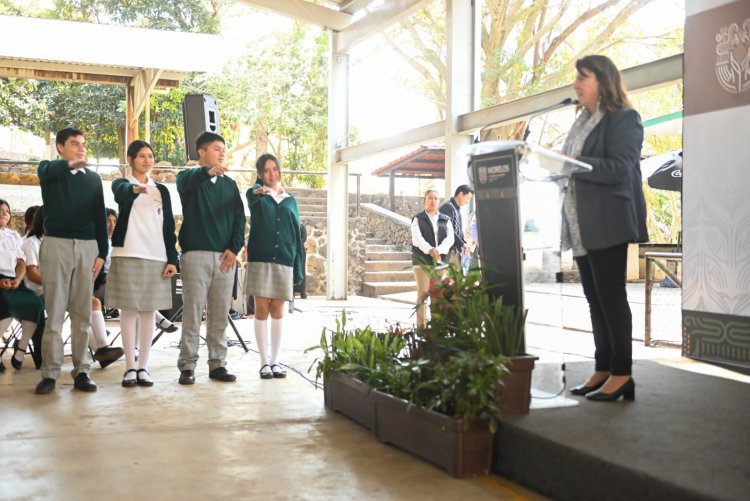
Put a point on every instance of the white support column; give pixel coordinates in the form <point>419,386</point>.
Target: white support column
<point>338,177</point>
<point>461,44</point>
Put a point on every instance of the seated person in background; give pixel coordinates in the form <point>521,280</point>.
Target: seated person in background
<point>28,220</point>
<point>16,300</point>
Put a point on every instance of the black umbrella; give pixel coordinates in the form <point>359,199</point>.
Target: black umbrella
<point>668,176</point>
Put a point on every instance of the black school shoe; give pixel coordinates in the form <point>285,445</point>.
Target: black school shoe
<point>107,354</point>
<point>84,383</point>
<point>46,385</point>
<point>221,374</point>
<point>187,377</point>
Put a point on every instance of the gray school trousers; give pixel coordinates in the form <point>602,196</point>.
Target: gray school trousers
<point>66,266</point>
<point>204,283</point>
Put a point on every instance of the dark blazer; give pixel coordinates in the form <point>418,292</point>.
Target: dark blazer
<point>610,201</point>
<point>451,209</point>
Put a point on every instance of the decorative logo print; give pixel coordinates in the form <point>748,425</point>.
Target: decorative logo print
<point>483,175</point>
<point>733,57</point>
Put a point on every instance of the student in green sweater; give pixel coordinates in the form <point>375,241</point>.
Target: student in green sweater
<point>274,259</point>
<point>211,235</point>
<point>71,255</point>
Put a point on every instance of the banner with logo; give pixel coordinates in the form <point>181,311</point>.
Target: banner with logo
<point>716,182</point>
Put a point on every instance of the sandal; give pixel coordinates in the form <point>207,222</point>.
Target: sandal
<point>129,383</point>
<point>278,371</point>
<point>265,372</point>
<point>143,381</point>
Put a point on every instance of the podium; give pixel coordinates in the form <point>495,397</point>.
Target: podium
<point>497,170</point>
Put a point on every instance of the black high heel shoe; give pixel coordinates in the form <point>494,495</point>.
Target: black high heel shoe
<point>626,391</point>
<point>582,389</point>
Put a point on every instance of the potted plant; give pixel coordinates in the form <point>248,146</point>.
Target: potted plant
<point>436,392</point>
<point>466,314</point>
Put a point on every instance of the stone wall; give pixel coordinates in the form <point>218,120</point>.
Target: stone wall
<point>406,206</point>
<point>394,228</point>
<point>317,254</point>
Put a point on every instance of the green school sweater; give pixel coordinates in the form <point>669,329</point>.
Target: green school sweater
<point>73,204</point>
<point>213,214</point>
<point>274,232</point>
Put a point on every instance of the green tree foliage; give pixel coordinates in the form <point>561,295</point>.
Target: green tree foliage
<point>529,47</point>
<point>42,107</point>
<point>274,99</point>
<point>186,15</point>
<point>167,131</point>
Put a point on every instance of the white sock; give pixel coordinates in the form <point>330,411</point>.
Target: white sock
<point>276,329</point>
<point>161,320</point>
<point>4,324</point>
<point>145,332</point>
<point>27,330</point>
<point>99,329</point>
<point>127,326</point>
<point>261,337</point>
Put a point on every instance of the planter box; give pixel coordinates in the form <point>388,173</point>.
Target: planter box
<point>350,397</point>
<point>517,385</point>
<point>434,437</point>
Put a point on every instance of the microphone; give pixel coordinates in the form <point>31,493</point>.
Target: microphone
<point>565,102</point>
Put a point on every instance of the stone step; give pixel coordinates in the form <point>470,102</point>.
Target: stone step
<point>314,213</point>
<point>375,241</point>
<point>308,192</point>
<point>388,266</point>
<point>311,200</point>
<point>389,276</point>
<point>375,289</point>
<point>302,206</point>
<point>382,248</point>
<point>388,256</point>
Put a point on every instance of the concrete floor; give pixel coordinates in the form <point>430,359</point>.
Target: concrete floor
<point>253,439</point>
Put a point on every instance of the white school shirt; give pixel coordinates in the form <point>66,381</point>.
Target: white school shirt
<point>419,241</point>
<point>11,249</point>
<point>144,237</point>
<point>278,197</point>
<point>31,248</point>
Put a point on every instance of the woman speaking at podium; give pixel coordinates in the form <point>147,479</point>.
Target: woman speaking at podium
<point>603,210</point>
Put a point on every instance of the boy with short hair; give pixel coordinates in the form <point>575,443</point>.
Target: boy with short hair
<point>211,235</point>
<point>71,255</point>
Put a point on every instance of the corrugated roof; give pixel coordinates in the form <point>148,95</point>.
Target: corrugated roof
<point>104,49</point>
<point>426,161</point>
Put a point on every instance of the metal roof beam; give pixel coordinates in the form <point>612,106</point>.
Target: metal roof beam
<point>411,137</point>
<point>637,78</point>
<point>376,20</point>
<point>306,12</point>
<point>352,6</point>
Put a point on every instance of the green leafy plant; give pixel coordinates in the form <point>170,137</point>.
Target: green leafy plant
<point>454,366</point>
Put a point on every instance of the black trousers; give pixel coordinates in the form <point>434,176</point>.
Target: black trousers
<point>603,279</point>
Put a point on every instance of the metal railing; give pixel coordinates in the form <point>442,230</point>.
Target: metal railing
<point>122,167</point>
<point>661,260</point>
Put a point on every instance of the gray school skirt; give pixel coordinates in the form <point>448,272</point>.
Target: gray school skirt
<point>271,280</point>
<point>135,284</point>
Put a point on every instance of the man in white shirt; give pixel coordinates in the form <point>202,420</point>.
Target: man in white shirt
<point>431,239</point>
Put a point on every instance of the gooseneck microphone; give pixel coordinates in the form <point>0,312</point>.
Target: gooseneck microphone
<point>565,102</point>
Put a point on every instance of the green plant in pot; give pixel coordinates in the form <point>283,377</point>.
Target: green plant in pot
<point>454,366</point>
